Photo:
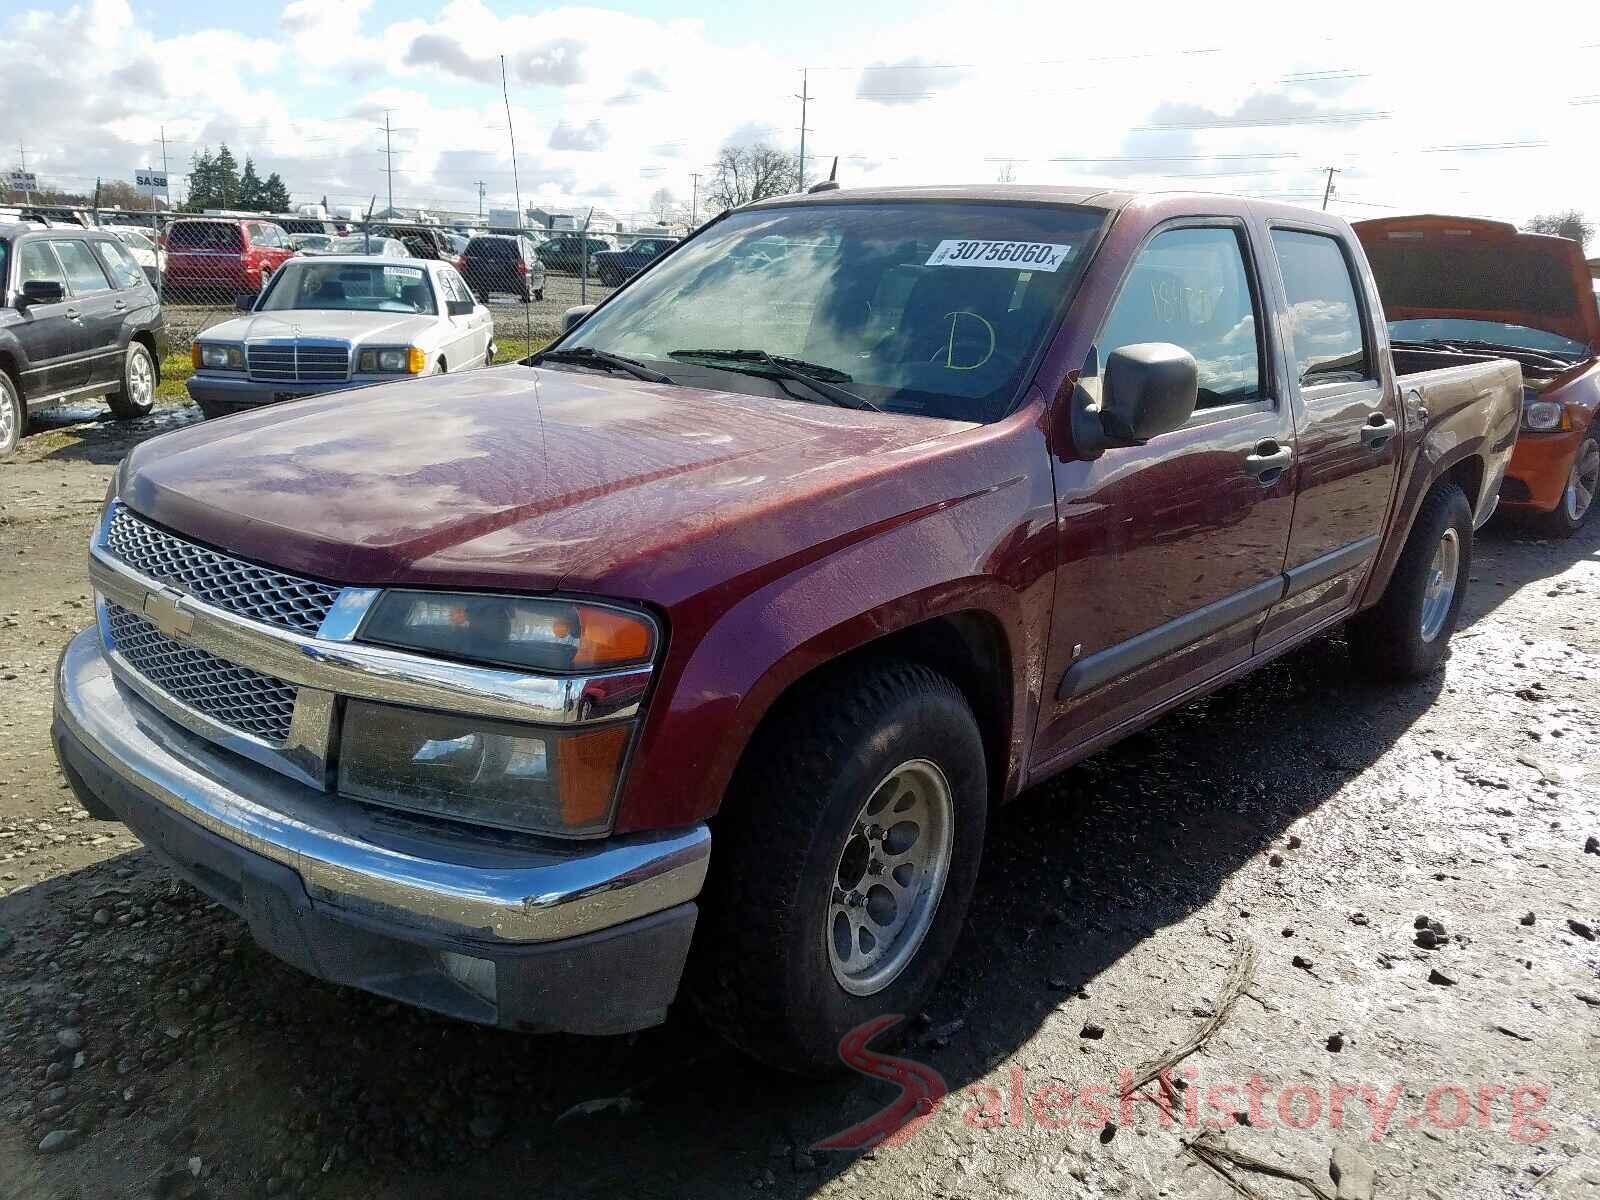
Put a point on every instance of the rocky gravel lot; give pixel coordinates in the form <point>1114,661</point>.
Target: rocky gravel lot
<point>1375,909</point>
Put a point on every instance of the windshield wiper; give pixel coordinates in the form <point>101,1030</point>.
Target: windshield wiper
<point>820,379</point>
<point>588,356</point>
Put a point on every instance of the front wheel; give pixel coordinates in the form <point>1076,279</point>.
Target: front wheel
<point>1405,635</point>
<point>1577,498</point>
<point>845,863</point>
<point>13,414</point>
<point>137,394</point>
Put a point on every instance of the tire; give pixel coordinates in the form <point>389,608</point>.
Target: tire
<point>767,972</point>
<point>211,411</point>
<point>1578,497</point>
<point>13,414</point>
<point>538,294</point>
<point>1405,635</point>
<point>137,394</point>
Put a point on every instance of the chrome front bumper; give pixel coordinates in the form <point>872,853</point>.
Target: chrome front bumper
<point>371,863</point>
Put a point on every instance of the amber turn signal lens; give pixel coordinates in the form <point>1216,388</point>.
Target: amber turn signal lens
<point>609,638</point>
<point>194,355</point>
<point>586,769</point>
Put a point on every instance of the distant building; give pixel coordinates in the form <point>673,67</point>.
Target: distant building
<point>572,218</point>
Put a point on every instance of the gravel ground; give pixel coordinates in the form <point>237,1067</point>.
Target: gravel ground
<point>1406,869</point>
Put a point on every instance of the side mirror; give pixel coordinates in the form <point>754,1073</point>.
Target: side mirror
<point>245,301</point>
<point>575,314</point>
<point>459,308</point>
<point>43,291</point>
<point>1146,390</point>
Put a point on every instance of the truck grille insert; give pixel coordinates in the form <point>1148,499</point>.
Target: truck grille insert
<point>298,363</point>
<point>234,696</point>
<point>259,593</point>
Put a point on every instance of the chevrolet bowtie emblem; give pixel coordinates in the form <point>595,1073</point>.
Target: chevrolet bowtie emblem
<point>165,610</point>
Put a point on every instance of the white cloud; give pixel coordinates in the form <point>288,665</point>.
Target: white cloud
<point>609,106</point>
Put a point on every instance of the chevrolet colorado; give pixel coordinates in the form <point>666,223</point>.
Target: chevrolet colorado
<point>693,653</point>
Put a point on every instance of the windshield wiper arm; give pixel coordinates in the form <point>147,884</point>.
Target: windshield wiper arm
<point>815,376</point>
<point>588,356</point>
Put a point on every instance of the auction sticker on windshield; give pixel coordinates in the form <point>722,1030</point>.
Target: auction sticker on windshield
<point>1035,256</point>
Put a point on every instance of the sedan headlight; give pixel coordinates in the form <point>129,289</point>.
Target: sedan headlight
<point>560,782</point>
<point>538,635</point>
<point>1542,416</point>
<point>398,360</point>
<point>217,358</point>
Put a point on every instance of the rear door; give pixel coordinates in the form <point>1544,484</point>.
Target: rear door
<point>100,311</point>
<point>1347,426</point>
<point>1171,553</point>
<point>51,334</point>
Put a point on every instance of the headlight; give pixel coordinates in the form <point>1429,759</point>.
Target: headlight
<point>219,358</point>
<point>400,360</point>
<point>541,635</point>
<point>1543,415</point>
<point>485,772</point>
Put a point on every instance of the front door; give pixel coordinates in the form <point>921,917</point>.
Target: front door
<point>52,335</point>
<point>1171,553</point>
<point>1348,430</point>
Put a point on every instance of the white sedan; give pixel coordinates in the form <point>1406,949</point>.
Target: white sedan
<point>328,323</point>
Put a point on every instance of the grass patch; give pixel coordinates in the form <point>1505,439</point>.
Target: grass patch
<point>175,369</point>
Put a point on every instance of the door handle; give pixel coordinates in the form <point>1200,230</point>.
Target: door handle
<point>1375,434</point>
<point>74,315</point>
<point>119,305</point>
<point>1268,462</point>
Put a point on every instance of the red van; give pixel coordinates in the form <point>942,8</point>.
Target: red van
<point>214,259</point>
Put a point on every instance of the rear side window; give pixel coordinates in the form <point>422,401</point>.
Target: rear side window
<point>204,235</point>
<point>119,264</point>
<point>1323,324</point>
<point>83,269</point>
<point>1189,287</point>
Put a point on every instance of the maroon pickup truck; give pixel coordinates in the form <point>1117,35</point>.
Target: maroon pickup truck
<point>691,654</point>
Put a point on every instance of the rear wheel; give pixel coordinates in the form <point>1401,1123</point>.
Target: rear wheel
<point>13,414</point>
<point>1577,498</point>
<point>137,394</point>
<point>1405,635</point>
<point>845,864</point>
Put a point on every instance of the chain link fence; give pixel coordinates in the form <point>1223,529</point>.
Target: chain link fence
<point>208,267</point>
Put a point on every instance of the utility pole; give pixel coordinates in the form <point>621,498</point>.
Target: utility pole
<point>804,97</point>
<point>22,154</point>
<point>388,153</point>
<point>480,197</point>
<point>164,171</point>
<point>694,203</point>
<point>1327,192</point>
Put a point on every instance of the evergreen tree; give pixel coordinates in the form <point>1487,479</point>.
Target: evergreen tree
<point>250,191</point>
<point>225,178</point>
<point>202,185</point>
<point>274,195</point>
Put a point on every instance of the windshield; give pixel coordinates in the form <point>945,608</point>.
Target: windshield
<point>358,287</point>
<point>359,243</point>
<point>917,307</point>
<point>1449,329</point>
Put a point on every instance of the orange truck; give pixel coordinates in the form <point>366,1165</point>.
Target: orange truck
<point>1465,286</point>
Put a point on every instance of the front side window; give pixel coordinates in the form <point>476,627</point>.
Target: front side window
<point>360,287</point>
<point>1323,323</point>
<point>929,308</point>
<point>83,269</point>
<point>1189,287</point>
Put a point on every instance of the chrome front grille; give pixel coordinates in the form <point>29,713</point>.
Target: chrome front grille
<point>259,593</point>
<point>235,696</point>
<point>297,362</point>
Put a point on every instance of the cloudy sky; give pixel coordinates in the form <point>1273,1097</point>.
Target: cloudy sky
<point>1421,108</point>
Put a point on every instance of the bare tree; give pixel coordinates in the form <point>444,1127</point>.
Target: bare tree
<point>1569,224</point>
<point>754,172</point>
<point>663,205</point>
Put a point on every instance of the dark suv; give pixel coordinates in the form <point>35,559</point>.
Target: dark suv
<point>77,318</point>
<point>565,252</point>
<point>503,262</point>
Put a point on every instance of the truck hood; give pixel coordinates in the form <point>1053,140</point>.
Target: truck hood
<point>1432,266</point>
<point>369,328</point>
<point>519,478</point>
